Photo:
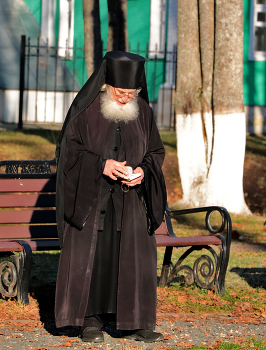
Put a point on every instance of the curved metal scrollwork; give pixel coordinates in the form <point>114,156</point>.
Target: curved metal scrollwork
<point>208,222</point>
<point>26,168</point>
<point>8,277</point>
<point>189,277</point>
<point>204,270</point>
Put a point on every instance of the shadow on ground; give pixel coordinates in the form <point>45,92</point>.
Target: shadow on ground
<point>42,289</point>
<point>254,276</point>
<point>45,296</point>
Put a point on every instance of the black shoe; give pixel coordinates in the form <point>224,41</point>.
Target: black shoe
<point>145,335</point>
<point>92,335</point>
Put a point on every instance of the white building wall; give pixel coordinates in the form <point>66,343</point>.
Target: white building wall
<point>42,107</point>
<point>9,100</point>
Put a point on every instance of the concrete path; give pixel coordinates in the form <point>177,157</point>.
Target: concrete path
<point>180,332</point>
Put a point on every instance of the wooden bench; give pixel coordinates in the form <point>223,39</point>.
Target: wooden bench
<point>28,223</point>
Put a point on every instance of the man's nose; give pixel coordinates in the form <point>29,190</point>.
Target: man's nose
<point>125,98</point>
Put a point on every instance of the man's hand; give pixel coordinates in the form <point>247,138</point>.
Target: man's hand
<point>136,181</point>
<point>115,169</point>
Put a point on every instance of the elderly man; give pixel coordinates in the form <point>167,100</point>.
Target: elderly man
<point>105,221</point>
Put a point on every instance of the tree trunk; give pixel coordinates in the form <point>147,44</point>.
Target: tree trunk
<point>117,29</point>
<point>210,119</point>
<point>92,35</point>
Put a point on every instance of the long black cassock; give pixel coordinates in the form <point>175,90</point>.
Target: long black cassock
<point>87,144</point>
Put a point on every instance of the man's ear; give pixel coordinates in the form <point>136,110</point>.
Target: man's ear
<point>138,91</point>
<point>104,87</point>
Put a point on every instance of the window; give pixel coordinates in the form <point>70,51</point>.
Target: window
<point>257,45</point>
<point>158,22</point>
<point>66,28</point>
<point>48,21</point>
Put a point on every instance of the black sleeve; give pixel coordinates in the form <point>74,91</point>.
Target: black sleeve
<point>154,185</point>
<point>82,172</point>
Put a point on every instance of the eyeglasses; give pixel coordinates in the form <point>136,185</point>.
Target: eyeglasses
<point>121,92</point>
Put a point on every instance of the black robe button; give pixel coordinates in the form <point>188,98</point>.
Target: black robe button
<point>115,148</point>
<point>112,190</point>
<point>118,128</point>
<point>102,211</point>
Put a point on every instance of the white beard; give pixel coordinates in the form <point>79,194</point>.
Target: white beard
<point>111,110</point>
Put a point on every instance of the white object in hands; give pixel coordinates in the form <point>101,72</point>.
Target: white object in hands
<point>131,176</point>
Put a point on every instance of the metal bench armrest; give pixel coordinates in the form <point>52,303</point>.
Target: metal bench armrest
<point>225,239</point>
<point>226,220</point>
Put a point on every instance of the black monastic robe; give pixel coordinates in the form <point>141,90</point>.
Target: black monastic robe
<point>85,152</point>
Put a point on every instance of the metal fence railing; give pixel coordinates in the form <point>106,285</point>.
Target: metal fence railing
<point>50,77</point>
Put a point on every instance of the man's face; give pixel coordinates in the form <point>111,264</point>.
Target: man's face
<point>122,96</point>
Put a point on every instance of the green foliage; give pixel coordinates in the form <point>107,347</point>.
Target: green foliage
<point>249,344</point>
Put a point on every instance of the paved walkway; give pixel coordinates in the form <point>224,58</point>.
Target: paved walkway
<point>180,333</point>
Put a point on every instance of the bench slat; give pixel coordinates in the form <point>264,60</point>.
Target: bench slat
<point>24,232</point>
<point>27,185</point>
<point>10,247</point>
<point>161,242</point>
<point>187,241</point>
<point>27,200</point>
<point>27,216</point>
<point>48,244</point>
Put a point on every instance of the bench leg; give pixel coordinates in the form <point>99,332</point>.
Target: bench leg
<point>25,264</point>
<point>8,276</point>
<point>166,266</point>
<point>15,274</point>
<point>224,258</point>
